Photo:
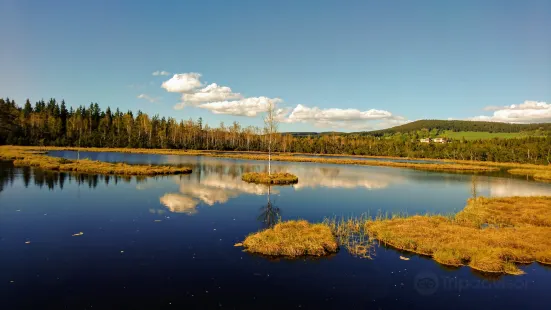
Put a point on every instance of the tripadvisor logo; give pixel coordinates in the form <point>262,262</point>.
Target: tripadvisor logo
<point>426,283</point>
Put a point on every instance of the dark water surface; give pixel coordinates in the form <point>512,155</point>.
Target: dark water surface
<point>167,242</point>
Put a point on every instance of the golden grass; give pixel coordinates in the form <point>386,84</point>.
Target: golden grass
<point>489,235</point>
<point>274,178</point>
<point>292,239</point>
<point>537,174</point>
<point>33,159</point>
<point>419,166</point>
<point>352,235</point>
<point>445,166</point>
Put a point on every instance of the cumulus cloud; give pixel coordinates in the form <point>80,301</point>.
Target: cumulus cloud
<point>157,73</point>
<point>148,98</point>
<point>304,113</point>
<point>352,119</point>
<point>183,83</point>
<point>216,98</point>
<point>527,112</point>
<point>220,99</point>
<point>244,107</point>
<point>211,93</point>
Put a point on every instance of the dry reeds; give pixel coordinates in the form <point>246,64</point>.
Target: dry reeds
<point>489,235</point>
<point>537,174</point>
<point>33,159</point>
<point>292,239</point>
<point>274,178</point>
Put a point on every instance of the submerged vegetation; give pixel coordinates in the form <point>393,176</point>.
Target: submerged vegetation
<point>274,178</point>
<point>292,239</point>
<point>36,159</point>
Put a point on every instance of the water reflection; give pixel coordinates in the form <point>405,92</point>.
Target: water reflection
<point>344,177</point>
<point>179,203</point>
<point>53,179</point>
<point>270,214</point>
<point>210,188</point>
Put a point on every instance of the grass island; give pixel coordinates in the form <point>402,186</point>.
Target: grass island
<point>491,235</point>
<point>292,239</point>
<point>274,178</point>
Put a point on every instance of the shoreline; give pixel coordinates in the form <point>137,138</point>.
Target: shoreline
<point>291,157</point>
<point>31,158</point>
<point>449,165</point>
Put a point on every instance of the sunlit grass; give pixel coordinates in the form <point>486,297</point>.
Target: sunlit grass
<point>291,239</point>
<point>444,166</point>
<point>537,174</point>
<point>21,157</point>
<point>489,235</point>
<point>274,178</point>
<point>420,166</point>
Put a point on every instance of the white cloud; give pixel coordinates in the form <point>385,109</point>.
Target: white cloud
<point>211,93</point>
<point>304,113</point>
<point>351,119</point>
<point>149,98</point>
<point>220,99</point>
<point>215,98</point>
<point>157,73</point>
<point>183,83</point>
<point>527,112</point>
<point>245,107</point>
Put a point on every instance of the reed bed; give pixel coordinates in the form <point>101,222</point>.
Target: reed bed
<point>537,174</point>
<point>34,159</point>
<point>419,166</point>
<point>292,239</point>
<point>274,178</point>
<point>464,167</point>
<point>352,235</point>
<point>490,235</point>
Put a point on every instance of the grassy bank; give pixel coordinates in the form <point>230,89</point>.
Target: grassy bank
<point>446,165</point>
<point>537,174</point>
<point>419,166</point>
<point>489,235</point>
<point>291,239</point>
<point>274,178</point>
<point>27,157</point>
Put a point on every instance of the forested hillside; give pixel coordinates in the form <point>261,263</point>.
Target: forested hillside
<point>473,126</point>
<point>52,123</point>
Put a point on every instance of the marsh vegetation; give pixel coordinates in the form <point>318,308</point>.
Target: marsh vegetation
<point>292,239</point>
<point>23,157</point>
<point>489,235</point>
<point>282,178</point>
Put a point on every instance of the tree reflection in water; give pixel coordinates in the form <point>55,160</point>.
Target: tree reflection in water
<point>56,179</point>
<point>270,214</point>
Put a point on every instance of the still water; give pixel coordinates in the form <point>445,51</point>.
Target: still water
<point>167,242</point>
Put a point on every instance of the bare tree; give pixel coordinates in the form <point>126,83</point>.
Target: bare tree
<point>270,127</point>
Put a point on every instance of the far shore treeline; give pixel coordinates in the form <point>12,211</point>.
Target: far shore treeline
<point>52,124</point>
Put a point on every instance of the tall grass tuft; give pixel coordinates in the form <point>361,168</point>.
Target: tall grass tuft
<point>292,239</point>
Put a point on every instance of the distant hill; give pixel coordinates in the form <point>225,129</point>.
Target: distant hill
<point>459,126</point>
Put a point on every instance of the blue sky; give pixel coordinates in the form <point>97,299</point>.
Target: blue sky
<point>345,65</point>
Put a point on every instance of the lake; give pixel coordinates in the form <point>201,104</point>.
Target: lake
<point>168,242</point>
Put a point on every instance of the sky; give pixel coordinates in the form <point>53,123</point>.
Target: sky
<point>327,65</point>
